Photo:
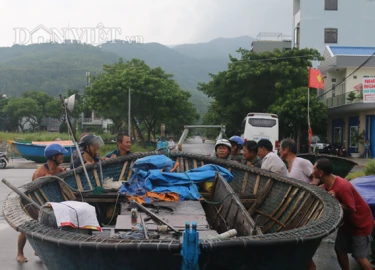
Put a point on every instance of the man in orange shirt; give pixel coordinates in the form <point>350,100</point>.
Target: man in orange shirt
<point>54,153</point>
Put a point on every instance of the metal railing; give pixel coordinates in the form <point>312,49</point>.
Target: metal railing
<point>344,99</point>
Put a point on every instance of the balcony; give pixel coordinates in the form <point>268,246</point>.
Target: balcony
<point>297,18</point>
<point>92,121</point>
<point>344,99</point>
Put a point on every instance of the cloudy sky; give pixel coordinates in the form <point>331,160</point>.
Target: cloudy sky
<point>164,21</point>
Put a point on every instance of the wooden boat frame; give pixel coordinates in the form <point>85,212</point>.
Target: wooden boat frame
<point>291,232</point>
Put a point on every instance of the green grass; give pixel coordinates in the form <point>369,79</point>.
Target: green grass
<point>354,175</point>
<point>369,170</point>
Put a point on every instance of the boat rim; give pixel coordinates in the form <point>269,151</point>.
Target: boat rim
<point>328,156</point>
<point>328,221</point>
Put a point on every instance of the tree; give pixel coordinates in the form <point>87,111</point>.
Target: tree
<point>155,97</point>
<point>23,111</point>
<point>292,110</point>
<point>47,106</point>
<point>254,82</point>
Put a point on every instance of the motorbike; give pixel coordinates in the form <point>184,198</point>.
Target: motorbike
<point>4,160</point>
<point>203,140</point>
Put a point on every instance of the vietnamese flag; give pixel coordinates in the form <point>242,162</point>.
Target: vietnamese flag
<point>316,79</point>
<point>310,135</point>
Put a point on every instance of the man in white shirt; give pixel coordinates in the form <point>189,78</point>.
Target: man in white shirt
<point>270,161</point>
<point>298,168</point>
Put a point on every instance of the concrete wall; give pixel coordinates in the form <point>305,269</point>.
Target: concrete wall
<point>349,19</point>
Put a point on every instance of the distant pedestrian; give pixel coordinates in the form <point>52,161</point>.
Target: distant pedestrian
<point>367,151</point>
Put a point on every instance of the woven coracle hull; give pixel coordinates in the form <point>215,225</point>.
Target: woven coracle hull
<point>293,218</point>
<point>341,166</point>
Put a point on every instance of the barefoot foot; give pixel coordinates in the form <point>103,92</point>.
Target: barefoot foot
<point>21,258</point>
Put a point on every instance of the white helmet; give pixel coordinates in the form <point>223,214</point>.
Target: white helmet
<point>223,142</point>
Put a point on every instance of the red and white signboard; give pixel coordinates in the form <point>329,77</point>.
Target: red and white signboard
<point>369,89</point>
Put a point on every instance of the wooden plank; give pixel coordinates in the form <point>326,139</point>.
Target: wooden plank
<point>278,207</point>
<point>181,166</point>
<point>244,183</point>
<point>262,196</point>
<point>186,165</point>
<point>305,216</point>
<point>130,170</point>
<point>290,199</point>
<point>232,216</point>
<point>38,198</point>
<point>123,171</point>
<point>270,217</point>
<point>202,163</point>
<point>43,195</point>
<point>311,213</point>
<point>195,164</point>
<point>293,209</point>
<point>301,212</point>
<point>97,181</point>
<point>79,183</point>
<point>256,187</point>
<point>67,192</point>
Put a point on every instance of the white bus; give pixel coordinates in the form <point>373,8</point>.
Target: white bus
<point>258,126</point>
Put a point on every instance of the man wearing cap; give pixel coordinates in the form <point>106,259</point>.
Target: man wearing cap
<point>270,161</point>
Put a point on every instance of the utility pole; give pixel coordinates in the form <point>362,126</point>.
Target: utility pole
<point>129,118</point>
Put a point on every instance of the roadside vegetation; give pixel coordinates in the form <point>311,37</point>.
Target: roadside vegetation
<point>369,170</point>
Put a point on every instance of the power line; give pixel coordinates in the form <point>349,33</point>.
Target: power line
<point>346,78</point>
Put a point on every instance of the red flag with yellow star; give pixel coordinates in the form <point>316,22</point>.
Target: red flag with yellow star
<point>316,79</point>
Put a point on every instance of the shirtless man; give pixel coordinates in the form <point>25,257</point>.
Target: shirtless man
<point>54,153</point>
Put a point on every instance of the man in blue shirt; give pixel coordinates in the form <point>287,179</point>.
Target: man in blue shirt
<point>123,146</point>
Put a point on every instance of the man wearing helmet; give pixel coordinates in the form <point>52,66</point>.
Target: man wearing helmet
<point>54,153</point>
<point>237,144</point>
<point>89,146</point>
<point>223,149</point>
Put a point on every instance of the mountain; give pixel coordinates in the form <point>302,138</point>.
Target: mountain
<point>55,68</point>
<point>218,48</point>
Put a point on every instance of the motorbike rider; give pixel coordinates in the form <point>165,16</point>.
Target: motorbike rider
<point>237,145</point>
<point>54,153</point>
<point>223,149</point>
<point>89,146</point>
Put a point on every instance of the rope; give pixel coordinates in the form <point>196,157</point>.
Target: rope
<point>114,210</point>
<point>207,201</point>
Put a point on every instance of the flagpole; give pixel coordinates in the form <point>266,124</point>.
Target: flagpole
<point>308,117</point>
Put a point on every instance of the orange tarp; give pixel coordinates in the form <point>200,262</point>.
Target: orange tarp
<point>165,197</point>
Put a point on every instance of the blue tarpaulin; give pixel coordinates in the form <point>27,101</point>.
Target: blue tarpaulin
<point>148,177</point>
<point>366,188</point>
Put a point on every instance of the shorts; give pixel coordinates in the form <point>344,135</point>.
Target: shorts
<point>358,246</point>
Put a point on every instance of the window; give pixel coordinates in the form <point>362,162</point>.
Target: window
<point>330,35</point>
<point>333,90</point>
<point>260,122</point>
<point>331,4</point>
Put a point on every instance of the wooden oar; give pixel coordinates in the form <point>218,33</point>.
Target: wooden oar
<point>19,192</point>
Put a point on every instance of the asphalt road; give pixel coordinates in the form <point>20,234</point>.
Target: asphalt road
<point>19,173</point>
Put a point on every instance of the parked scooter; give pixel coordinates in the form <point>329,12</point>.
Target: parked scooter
<point>4,160</point>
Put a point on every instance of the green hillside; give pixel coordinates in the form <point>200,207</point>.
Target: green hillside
<point>218,48</point>
<point>54,68</point>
